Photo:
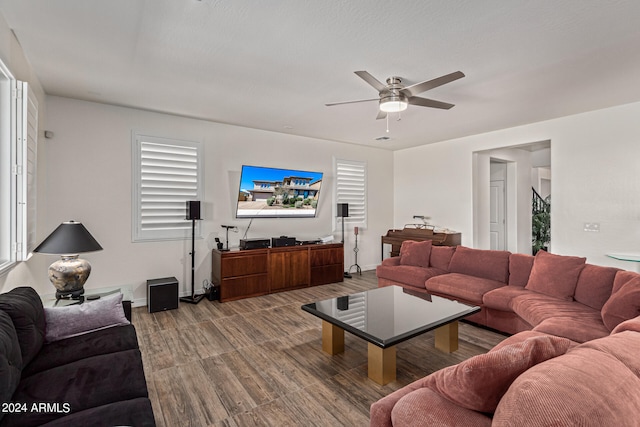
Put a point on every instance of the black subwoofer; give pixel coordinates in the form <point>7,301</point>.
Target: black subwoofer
<point>162,294</point>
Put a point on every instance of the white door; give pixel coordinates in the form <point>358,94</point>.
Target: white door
<point>497,226</point>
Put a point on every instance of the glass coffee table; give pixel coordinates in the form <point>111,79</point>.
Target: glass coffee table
<point>385,317</point>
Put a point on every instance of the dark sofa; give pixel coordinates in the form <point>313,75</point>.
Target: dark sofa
<point>94,378</point>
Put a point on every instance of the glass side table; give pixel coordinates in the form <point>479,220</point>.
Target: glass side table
<point>625,257</point>
<point>49,300</point>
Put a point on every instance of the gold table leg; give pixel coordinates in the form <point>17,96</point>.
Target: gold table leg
<point>382,364</point>
<point>447,337</point>
<point>332,338</point>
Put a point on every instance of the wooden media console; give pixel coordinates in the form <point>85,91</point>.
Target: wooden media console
<point>253,272</point>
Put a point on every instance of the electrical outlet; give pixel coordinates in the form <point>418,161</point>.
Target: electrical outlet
<point>592,227</point>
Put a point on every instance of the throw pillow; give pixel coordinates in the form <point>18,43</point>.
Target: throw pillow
<point>73,320</point>
<point>441,257</point>
<point>555,275</point>
<point>480,382</point>
<point>483,263</point>
<point>415,253</point>
<point>622,305</point>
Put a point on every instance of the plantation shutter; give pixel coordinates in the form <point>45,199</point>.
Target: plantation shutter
<point>168,175</point>
<point>26,163</point>
<point>351,188</point>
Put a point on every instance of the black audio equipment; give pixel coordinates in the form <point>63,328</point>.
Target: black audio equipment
<point>254,243</point>
<point>162,294</point>
<point>277,242</point>
<point>193,209</point>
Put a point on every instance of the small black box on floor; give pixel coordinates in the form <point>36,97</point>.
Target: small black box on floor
<point>162,294</point>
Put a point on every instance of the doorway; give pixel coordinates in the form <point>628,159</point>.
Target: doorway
<point>497,206</point>
<point>502,181</point>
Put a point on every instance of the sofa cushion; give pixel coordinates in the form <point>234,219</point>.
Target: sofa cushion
<point>84,384</point>
<point>535,308</point>
<point>72,320</point>
<point>25,308</point>
<point>480,382</point>
<point>555,275</point>
<point>441,256</point>
<point>583,387</point>
<point>500,298</point>
<point>595,284</point>
<point>10,360</point>
<point>576,328</point>
<point>415,253</point>
<point>487,264</point>
<point>520,266</point>
<point>468,288</point>
<point>623,305</point>
<point>69,350</point>
<point>407,274</point>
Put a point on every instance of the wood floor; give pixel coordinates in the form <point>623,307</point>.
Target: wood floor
<point>259,362</point>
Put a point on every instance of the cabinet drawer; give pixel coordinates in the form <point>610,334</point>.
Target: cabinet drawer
<point>321,257</point>
<point>245,286</point>
<point>244,265</point>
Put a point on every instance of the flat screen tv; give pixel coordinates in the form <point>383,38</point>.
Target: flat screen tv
<point>278,193</point>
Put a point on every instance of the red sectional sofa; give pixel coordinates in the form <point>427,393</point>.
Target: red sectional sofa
<point>572,361</point>
<point>530,379</point>
<point>554,294</point>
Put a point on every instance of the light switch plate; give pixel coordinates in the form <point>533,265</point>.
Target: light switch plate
<point>592,226</point>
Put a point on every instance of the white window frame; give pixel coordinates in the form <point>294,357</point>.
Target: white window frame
<point>26,170</point>
<point>152,157</point>
<point>7,168</point>
<point>351,188</point>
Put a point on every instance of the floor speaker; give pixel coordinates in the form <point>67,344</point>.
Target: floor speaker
<point>162,294</point>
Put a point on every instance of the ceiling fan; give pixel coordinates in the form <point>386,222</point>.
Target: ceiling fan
<point>395,97</point>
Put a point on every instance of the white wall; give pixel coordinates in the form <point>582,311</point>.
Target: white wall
<point>595,159</point>
<point>89,180</point>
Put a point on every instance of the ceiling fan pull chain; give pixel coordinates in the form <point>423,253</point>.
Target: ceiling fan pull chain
<point>387,123</point>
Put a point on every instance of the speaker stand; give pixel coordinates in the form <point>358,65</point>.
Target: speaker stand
<point>193,299</point>
<point>346,274</point>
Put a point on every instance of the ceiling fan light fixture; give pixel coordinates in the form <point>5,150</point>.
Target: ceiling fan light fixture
<point>393,104</point>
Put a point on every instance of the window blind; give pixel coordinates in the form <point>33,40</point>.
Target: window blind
<point>169,175</point>
<point>26,156</point>
<point>351,188</point>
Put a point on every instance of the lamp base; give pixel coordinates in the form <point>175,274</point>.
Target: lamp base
<point>70,294</point>
<point>194,299</point>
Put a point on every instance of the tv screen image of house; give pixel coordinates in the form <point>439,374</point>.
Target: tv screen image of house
<point>278,193</point>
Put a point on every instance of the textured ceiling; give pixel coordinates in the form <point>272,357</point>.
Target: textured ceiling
<point>274,64</point>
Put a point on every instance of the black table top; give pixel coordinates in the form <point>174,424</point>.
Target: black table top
<point>389,315</point>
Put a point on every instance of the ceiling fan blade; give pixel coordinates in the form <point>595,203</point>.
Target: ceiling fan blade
<point>371,80</point>
<point>381,115</point>
<point>424,102</point>
<point>351,102</point>
<point>418,88</point>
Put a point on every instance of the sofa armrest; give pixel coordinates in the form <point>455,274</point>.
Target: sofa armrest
<point>391,262</point>
<point>418,405</point>
<point>380,411</point>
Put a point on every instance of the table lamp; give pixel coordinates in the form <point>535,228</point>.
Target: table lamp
<point>69,273</point>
